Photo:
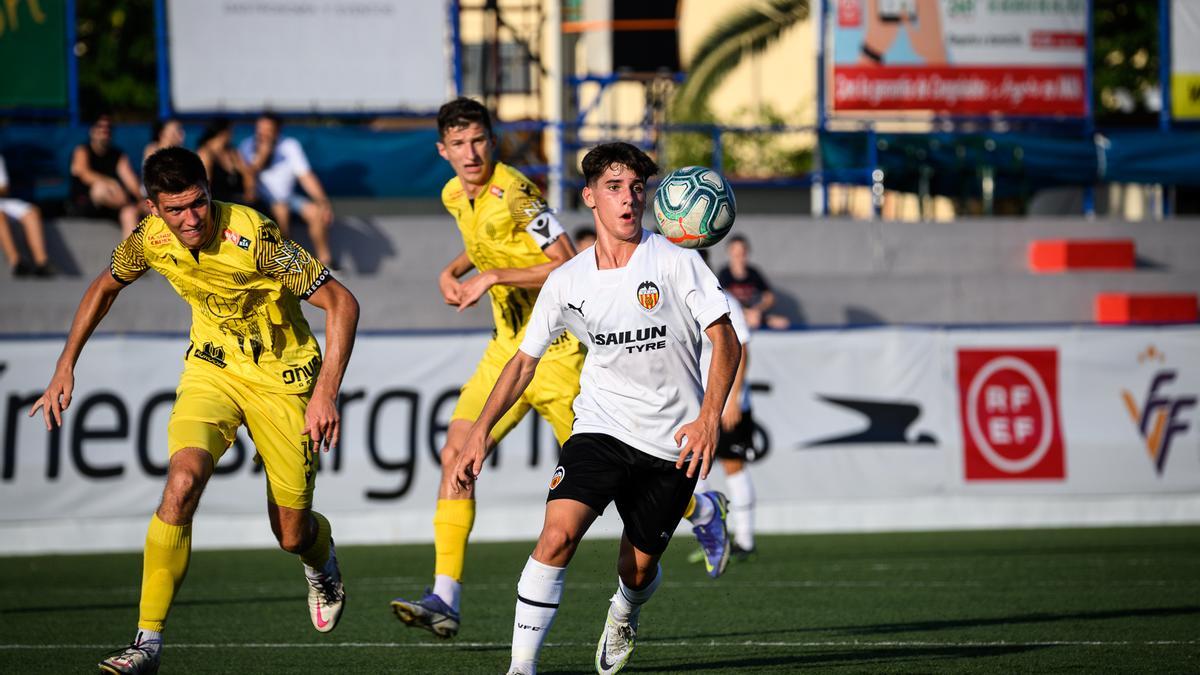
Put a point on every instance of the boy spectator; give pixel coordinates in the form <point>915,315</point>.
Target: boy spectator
<point>278,163</point>
<point>103,184</point>
<point>746,283</point>
<point>30,218</point>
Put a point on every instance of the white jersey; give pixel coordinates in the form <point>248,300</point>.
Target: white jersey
<point>643,325</point>
<point>277,180</point>
<point>742,329</point>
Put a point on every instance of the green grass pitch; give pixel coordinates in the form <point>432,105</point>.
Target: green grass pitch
<point>1029,601</point>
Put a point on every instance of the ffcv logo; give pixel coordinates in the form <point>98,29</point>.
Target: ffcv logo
<point>1159,415</point>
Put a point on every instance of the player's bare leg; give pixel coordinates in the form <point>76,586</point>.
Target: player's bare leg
<point>540,588</point>
<point>165,561</point>
<point>283,218</point>
<point>319,220</point>
<point>438,610</point>
<point>307,534</point>
<point>638,576</point>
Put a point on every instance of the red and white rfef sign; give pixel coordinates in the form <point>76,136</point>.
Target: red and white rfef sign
<point>1008,400</point>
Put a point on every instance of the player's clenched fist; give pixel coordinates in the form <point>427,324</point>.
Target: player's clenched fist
<point>470,461</point>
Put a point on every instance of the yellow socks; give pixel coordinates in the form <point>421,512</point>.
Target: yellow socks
<point>691,508</point>
<point>451,526</point>
<point>318,554</point>
<point>164,564</point>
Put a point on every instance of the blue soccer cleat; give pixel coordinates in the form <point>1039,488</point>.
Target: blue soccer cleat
<point>430,612</point>
<point>714,537</point>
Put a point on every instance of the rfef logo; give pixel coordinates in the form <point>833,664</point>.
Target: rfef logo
<point>1008,401</point>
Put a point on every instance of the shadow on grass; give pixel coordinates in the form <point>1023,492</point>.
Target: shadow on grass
<point>105,606</point>
<point>917,626</point>
<point>858,658</point>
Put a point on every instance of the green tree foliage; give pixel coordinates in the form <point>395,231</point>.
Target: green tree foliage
<point>1125,60</point>
<point>117,59</point>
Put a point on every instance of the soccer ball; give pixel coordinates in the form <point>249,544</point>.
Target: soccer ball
<point>694,207</point>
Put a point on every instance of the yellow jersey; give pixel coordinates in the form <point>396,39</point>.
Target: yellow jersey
<point>507,225</point>
<point>244,287</point>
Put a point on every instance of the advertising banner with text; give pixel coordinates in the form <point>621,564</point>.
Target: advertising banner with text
<point>961,57</point>
<point>889,428</point>
<point>1185,60</point>
<point>332,56</point>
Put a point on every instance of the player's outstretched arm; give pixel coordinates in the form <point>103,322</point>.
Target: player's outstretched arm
<point>448,280</point>
<point>702,432</point>
<point>98,297</point>
<point>559,252</point>
<point>513,380</point>
<point>321,419</point>
<point>732,414</point>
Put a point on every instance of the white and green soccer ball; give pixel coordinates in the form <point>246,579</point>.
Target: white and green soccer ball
<point>694,207</point>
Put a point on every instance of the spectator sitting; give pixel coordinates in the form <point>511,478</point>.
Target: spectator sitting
<point>31,220</point>
<point>103,184</point>
<point>229,179</point>
<point>584,237</point>
<point>746,283</point>
<point>166,133</point>
<point>279,162</point>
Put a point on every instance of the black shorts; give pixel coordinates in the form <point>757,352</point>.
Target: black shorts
<point>651,494</point>
<point>734,444</point>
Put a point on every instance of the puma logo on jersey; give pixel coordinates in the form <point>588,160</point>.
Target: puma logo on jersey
<point>577,309</point>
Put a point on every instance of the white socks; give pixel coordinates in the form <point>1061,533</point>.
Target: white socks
<point>704,511</point>
<point>538,593</point>
<point>449,590</point>
<point>150,640</point>
<point>741,508</point>
<point>627,603</point>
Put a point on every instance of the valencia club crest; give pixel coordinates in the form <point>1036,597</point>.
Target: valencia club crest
<point>648,295</point>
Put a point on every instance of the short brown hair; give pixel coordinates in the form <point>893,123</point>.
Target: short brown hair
<point>463,112</point>
<point>173,170</point>
<point>599,158</point>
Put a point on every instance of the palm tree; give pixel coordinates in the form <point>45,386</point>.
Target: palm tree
<point>749,30</point>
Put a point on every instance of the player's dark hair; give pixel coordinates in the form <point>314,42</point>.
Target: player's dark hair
<point>463,112</point>
<point>599,158</point>
<point>173,170</point>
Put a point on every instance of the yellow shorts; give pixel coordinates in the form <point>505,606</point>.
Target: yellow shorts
<point>551,392</point>
<point>210,407</point>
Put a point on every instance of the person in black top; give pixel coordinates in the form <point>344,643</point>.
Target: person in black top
<point>229,179</point>
<point>103,184</point>
<point>746,283</point>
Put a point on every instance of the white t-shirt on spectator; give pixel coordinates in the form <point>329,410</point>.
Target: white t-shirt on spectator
<point>642,324</point>
<point>13,208</point>
<point>277,181</point>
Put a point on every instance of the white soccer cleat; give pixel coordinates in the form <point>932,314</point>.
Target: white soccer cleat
<point>616,644</point>
<point>326,594</point>
<point>139,658</point>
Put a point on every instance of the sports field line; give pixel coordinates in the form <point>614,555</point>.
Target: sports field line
<point>643,643</point>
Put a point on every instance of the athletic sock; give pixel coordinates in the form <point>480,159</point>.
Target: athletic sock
<point>700,511</point>
<point>150,640</point>
<point>741,508</point>
<point>164,565</point>
<point>538,594</point>
<point>452,524</point>
<point>448,590</point>
<point>316,558</point>
<point>627,603</point>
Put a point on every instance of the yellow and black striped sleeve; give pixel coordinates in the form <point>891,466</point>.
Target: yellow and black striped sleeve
<point>129,257</point>
<point>287,262</point>
<point>530,213</point>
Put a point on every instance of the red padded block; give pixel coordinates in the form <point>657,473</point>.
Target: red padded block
<point>1146,308</point>
<point>1066,255</point>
